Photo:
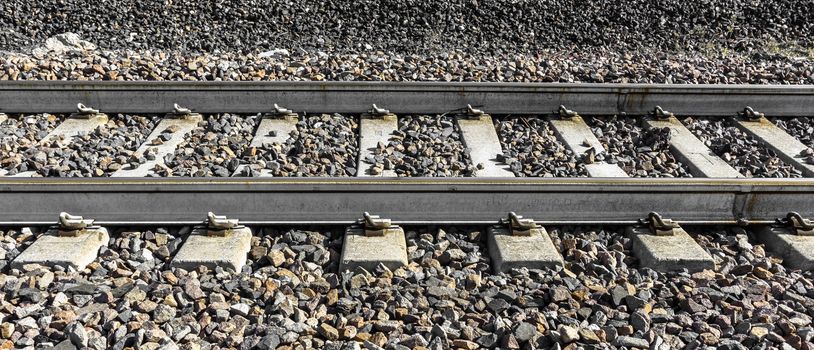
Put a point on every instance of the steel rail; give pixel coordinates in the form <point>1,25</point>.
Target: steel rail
<point>37,201</point>
<point>403,97</point>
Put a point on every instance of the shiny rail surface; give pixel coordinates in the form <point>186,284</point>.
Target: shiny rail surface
<point>402,97</point>
<point>406,200</point>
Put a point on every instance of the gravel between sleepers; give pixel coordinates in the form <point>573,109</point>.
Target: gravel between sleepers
<point>530,148</point>
<point>321,145</point>
<point>640,152</point>
<point>743,152</point>
<point>213,148</point>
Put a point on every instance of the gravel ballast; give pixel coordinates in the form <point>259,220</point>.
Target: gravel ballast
<point>530,148</point>
<point>290,294</point>
<point>743,152</point>
<point>19,136</point>
<point>321,145</point>
<point>414,26</point>
<point>639,152</point>
<point>546,66</point>
<point>213,149</point>
<point>96,154</point>
<point>427,146</point>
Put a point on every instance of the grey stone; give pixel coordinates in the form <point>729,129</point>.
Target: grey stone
<point>77,334</point>
<point>631,342</point>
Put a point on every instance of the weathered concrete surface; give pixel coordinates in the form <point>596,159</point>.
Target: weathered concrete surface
<point>51,249</point>
<point>797,251</point>
<point>183,125</point>
<point>480,137</point>
<point>211,251</point>
<point>692,152</point>
<point>367,252</point>
<point>578,137</point>
<point>669,253</point>
<point>605,170</point>
<point>787,147</point>
<point>372,131</point>
<point>533,252</point>
<point>73,126</point>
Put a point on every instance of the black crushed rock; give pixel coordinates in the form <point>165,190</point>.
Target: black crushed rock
<point>96,154</point>
<point>291,294</point>
<point>743,152</point>
<point>427,146</point>
<point>639,152</point>
<point>322,145</point>
<point>530,148</point>
<point>19,136</point>
<point>213,149</point>
<point>744,27</point>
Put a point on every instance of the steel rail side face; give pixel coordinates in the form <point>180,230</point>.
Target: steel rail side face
<point>403,97</point>
<point>417,200</point>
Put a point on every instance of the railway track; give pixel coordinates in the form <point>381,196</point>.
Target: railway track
<point>218,224</point>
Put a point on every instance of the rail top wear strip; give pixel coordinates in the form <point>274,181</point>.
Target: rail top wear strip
<point>403,97</point>
<point>342,201</point>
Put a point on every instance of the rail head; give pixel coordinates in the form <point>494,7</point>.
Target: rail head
<point>403,97</point>
<point>414,200</point>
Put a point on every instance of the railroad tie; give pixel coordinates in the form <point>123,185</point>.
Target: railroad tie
<point>74,242</point>
<point>375,129</point>
<point>517,242</point>
<point>85,120</point>
<point>371,242</point>
<point>792,238</point>
<point>164,139</point>
<point>572,130</point>
<point>219,242</point>
<point>274,128</point>
<point>787,148</point>
<point>480,138</point>
<point>662,245</point>
<point>689,149</point>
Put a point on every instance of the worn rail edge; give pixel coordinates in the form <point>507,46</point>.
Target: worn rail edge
<point>406,201</point>
<point>403,97</point>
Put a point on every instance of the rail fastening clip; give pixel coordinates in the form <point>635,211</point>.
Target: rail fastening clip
<point>798,225</point>
<point>519,226</point>
<point>219,225</point>
<point>659,226</point>
<point>73,225</point>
